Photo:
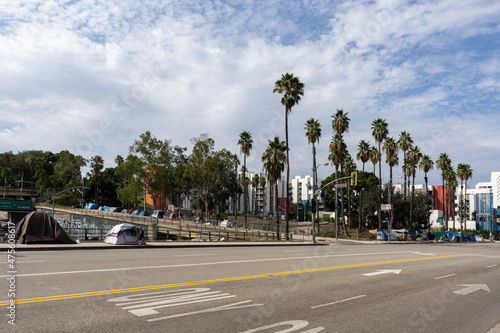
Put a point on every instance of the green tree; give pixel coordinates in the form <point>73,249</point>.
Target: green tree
<point>157,156</point>
<point>349,166</point>
<point>96,166</point>
<point>68,169</point>
<point>255,184</point>
<point>245,142</point>
<point>273,159</point>
<point>451,184</point>
<point>130,173</point>
<point>380,130</point>
<point>292,90</point>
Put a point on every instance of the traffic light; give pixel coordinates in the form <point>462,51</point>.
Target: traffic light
<point>313,205</point>
<point>354,178</point>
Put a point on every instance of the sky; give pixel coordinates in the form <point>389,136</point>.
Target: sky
<point>92,76</point>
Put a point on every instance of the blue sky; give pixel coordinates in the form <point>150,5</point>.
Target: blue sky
<point>91,76</point>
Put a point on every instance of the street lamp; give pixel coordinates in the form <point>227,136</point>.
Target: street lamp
<point>315,204</point>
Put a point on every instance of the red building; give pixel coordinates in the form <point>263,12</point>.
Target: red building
<point>438,198</point>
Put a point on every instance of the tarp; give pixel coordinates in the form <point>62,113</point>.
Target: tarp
<point>144,213</point>
<point>39,227</point>
<point>91,205</point>
<point>125,234</point>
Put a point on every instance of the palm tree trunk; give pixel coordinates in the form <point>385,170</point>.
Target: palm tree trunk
<point>411,202</point>
<point>389,224</point>
<point>277,213</point>
<point>315,181</point>
<point>379,188</point>
<point>244,189</point>
<point>427,197</point>
<point>287,173</point>
<point>361,201</point>
<point>404,163</point>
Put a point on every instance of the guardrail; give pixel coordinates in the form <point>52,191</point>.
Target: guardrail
<point>94,224</point>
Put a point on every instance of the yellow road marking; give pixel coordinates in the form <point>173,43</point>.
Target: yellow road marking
<point>195,283</point>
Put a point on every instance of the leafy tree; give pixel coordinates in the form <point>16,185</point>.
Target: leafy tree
<point>157,156</point>
<point>68,169</point>
<point>96,166</point>
<point>130,174</point>
<point>292,90</point>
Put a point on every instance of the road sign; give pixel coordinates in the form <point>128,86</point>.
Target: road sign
<point>385,207</point>
<point>341,185</point>
<point>315,187</point>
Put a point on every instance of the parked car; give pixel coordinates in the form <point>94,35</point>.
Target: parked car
<point>199,219</point>
<point>158,214</point>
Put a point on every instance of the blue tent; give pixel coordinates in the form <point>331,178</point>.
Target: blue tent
<point>135,212</point>
<point>144,213</point>
<point>91,205</point>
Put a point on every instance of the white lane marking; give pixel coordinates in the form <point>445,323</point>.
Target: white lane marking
<point>202,264</point>
<point>294,251</point>
<point>195,255</point>
<point>341,301</point>
<point>470,288</point>
<point>481,255</point>
<point>425,254</point>
<point>491,266</point>
<point>444,276</point>
<point>384,271</point>
<point>24,262</point>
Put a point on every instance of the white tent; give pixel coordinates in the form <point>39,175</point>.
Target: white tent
<point>125,233</point>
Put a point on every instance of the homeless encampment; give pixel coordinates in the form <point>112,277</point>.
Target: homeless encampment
<point>125,234</point>
<point>40,228</point>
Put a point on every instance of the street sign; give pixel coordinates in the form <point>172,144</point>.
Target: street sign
<point>315,187</point>
<point>385,207</point>
<point>16,205</point>
<point>341,185</point>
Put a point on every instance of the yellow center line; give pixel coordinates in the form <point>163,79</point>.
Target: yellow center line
<point>195,283</point>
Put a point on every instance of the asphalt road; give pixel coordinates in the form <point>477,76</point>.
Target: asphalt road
<point>336,288</point>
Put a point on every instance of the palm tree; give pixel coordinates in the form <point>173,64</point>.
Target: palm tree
<point>336,148</point>
<point>451,184</point>
<point>464,172</point>
<point>390,148</point>
<point>245,142</point>
<point>363,154</point>
<point>349,166</point>
<point>255,183</point>
<point>293,89</point>
<point>426,164</point>
<point>263,183</point>
<point>414,156</point>
<point>313,133</point>
<point>443,162</point>
<point>405,142</point>
<point>380,130</point>
<point>340,125</point>
<point>96,164</point>
<point>374,158</point>
<point>273,160</point>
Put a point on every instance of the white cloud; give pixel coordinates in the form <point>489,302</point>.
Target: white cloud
<point>92,76</point>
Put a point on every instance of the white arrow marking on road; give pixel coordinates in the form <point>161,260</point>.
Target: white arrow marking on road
<point>384,271</point>
<point>472,288</point>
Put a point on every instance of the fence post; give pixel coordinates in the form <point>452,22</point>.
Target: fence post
<point>227,238</point>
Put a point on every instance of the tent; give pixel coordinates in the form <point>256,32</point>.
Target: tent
<point>125,233</point>
<point>144,213</point>
<point>91,205</point>
<point>40,228</point>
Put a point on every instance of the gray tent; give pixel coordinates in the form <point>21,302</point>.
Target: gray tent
<point>41,228</point>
